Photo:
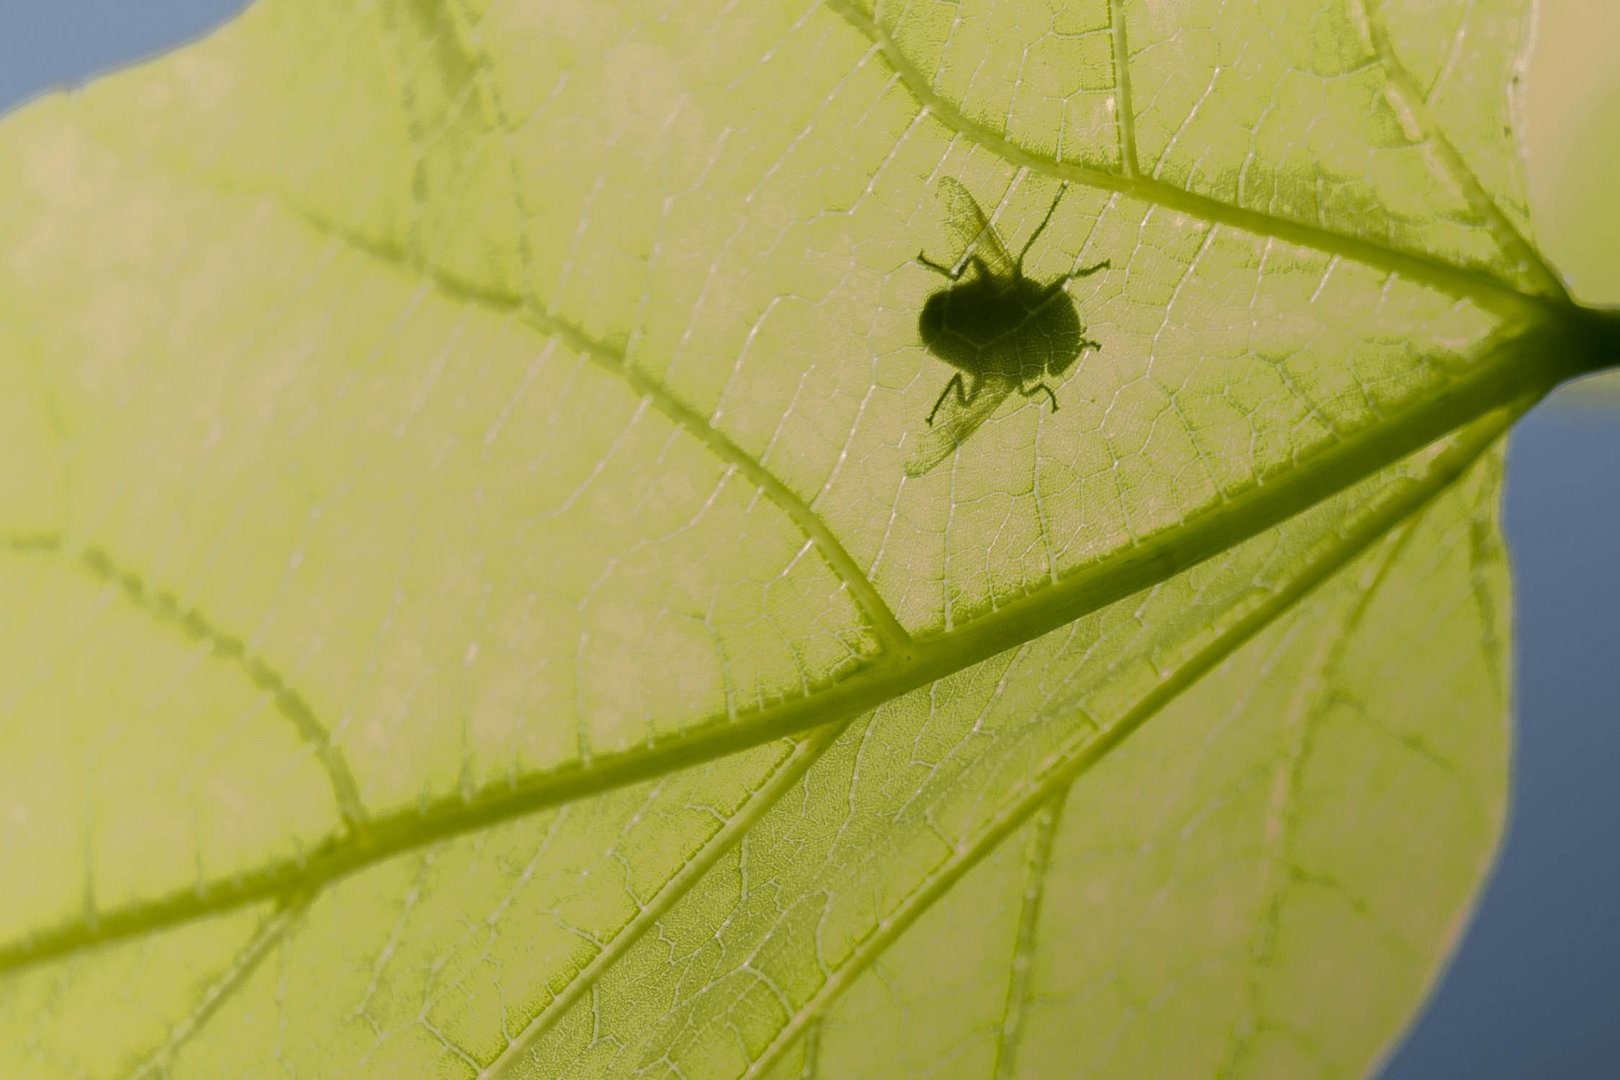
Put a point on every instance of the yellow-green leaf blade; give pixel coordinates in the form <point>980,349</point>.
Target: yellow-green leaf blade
<point>470,439</point>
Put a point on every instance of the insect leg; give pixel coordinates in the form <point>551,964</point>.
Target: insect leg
<point>1087,343</point>
<point>1087,271</point>
<point>1056,288</point>
<point>937,268</point>
<point>1050,210</point>
<point>961,395</point>
<point>1039,388</point>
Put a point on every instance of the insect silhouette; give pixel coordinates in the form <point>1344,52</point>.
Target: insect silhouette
<point>1001,330</point>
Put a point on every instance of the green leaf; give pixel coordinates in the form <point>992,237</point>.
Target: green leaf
<point>468,614</point>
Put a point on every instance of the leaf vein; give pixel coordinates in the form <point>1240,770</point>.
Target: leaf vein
<point>1460,281</point>
<point>788,773</point>
<point>1124,108</point>
<point>248,959</point>
<point>1020,980</point>
<point>165,609</point>
<point>1086,749</point>
<point>892,637</point>
<point>1283,811</point>
<point>1416,102</point>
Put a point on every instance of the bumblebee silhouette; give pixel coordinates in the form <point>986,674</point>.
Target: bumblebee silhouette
<point>1001,330</point>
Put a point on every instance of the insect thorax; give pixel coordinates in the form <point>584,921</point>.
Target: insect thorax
<point>1015,328</point>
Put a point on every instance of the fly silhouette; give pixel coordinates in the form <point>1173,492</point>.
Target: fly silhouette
<point>1002,331</point>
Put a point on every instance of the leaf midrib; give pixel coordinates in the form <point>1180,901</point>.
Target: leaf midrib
<point>1501,377</point>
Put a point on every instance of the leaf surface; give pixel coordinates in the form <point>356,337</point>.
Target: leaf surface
<point>470,616</point>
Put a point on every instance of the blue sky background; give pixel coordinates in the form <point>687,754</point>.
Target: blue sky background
<point>1534,990</point>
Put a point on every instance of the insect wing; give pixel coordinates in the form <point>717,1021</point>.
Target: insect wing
<point>957,422</point>
<point>972,229</point>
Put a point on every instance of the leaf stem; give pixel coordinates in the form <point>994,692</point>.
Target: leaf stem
<point>1591,342</point>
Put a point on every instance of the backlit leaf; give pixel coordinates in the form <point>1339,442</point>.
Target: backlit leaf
<point>466,612</point>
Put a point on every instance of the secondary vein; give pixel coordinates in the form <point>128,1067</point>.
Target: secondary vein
<point>1451,279</point>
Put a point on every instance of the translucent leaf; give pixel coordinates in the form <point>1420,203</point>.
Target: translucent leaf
<point>468,614</point>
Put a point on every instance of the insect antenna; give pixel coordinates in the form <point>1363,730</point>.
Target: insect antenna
<point>1050,210</point>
